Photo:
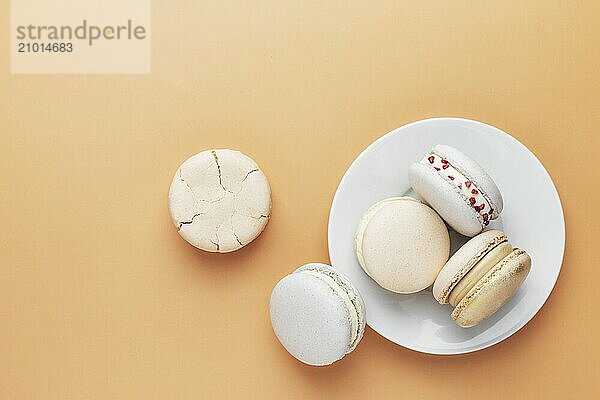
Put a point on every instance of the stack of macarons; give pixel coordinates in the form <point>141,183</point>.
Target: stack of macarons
<point>220,201</point>
<point>403,244</point>
<point>406,248</point>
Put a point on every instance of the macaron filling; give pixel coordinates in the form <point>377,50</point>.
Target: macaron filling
<point>343,294</point>
<point>468,189</point>
<point>489,276</point>
<point>497,240</point>
<point>486,263</point>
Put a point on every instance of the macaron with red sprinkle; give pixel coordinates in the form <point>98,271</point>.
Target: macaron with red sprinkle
<point>458,188</point>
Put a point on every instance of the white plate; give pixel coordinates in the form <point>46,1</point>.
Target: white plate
<point>532,219</point>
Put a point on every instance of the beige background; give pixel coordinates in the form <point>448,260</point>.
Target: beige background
<point>101,299</point>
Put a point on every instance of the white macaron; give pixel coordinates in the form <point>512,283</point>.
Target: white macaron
<point>317,314</point>
<point>458,188</point>
<point>219,200</point>
<point>402,244</point>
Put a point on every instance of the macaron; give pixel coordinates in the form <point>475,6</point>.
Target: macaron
<point>220,200</point>
<point>317,314</point>
<point>480,277</point>
<point>458,188</point>
<point>402,244</point>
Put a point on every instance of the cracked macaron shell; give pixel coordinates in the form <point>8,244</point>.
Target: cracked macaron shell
<point>441,193</point>
<point>219,200</point>
<point>402,244</point>
<point>317,314</point>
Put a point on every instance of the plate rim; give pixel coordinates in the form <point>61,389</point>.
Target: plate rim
<point>517,327</point>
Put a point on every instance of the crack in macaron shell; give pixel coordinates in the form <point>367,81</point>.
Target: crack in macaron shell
<point>469,189</point>
<point>219,200</point>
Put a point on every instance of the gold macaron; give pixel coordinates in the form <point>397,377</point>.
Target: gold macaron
<point>481,277</point>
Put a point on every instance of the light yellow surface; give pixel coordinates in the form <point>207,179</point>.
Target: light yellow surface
<point>101,299</point>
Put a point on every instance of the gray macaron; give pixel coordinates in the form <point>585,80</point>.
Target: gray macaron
<point>317,314</point>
